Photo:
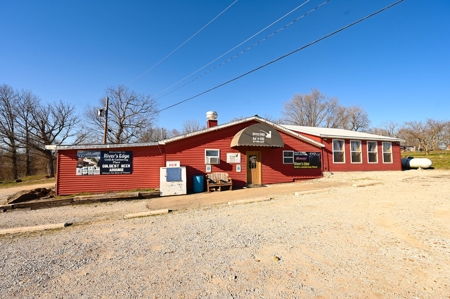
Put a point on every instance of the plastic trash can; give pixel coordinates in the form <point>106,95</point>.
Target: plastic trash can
<point>199,183</point>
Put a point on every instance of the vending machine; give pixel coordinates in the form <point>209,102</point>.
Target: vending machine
<point>172,181</point>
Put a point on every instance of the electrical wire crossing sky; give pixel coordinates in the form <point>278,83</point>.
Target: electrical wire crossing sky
<point>392,65</point>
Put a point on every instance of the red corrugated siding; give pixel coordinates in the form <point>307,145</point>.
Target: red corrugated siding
<point>273,169</point>
<point>191,153</point>
<point>145,173</point>
<point>364,166</point>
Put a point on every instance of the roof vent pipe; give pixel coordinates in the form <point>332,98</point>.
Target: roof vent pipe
<point>211,119</point>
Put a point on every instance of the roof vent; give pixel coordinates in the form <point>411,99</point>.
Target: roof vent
<point>211,115</point>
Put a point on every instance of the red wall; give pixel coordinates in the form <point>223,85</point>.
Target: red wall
<point>364,166</point>
<point>191,153</point>
<point>273,169</point>
<point>327,158</point>
<point>145,173</point>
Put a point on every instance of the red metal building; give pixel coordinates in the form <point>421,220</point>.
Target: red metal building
<point>253,151</point>
<point>354,151</point>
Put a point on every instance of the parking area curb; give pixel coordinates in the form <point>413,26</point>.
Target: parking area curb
<point>17,230</point>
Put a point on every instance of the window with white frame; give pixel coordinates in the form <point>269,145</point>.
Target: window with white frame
<point>387,152</point>
<point>338,151</point>
<point>288,157</point>
<point>372,151</point>
<point>355,149</point>
<point>212,156</point>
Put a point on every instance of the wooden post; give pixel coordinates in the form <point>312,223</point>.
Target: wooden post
<point>106,121</point>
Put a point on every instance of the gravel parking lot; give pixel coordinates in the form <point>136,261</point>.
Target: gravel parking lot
<point>369,235</point>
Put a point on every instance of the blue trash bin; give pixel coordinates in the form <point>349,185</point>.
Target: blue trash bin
<point>199,185</point>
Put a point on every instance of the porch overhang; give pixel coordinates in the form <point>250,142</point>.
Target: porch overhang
<point>260,134</point>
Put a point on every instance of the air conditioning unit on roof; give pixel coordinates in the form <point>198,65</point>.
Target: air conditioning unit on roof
<point>212,160</point>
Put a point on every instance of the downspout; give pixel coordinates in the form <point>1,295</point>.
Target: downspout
<point>57,172</point>
<point>162,150</point>
<point>323,164</point>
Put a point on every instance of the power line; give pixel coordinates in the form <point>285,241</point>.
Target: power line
<point>240,53</point>
<point>284,56</point>
<point>235,47</point>
<point>182,44</point>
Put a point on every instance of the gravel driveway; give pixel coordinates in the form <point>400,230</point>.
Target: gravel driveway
<point>388,238</point>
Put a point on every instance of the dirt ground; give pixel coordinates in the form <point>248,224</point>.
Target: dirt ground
<point>5,192</point>
<point>358,235</point>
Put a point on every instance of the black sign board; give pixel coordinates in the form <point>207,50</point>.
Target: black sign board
<point>307,160</point>
<point>116,162</point>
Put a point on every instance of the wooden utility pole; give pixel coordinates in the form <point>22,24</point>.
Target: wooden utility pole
<point>106,121</point>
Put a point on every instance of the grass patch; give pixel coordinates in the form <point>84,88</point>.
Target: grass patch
<point>29,180</point>
<point>440,159</point>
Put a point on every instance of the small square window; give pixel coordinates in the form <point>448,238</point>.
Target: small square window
<point>288,157</point>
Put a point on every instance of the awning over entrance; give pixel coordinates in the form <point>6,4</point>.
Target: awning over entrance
<point>259,134</point>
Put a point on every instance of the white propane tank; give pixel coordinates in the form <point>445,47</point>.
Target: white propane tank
<point>411,162</point>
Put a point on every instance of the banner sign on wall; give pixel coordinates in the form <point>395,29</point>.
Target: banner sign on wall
<point>309,160</point>
<point>115,162</point>
<point>104,162</point>
<point>88,162</point>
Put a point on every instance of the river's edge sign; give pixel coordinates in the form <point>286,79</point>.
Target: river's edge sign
<point>104,162</point>
<point>309,160</point>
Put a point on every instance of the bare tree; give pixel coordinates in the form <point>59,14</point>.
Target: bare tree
<point>356,119</point>
<point>191,125</point>
<point>338,118</point>
<point>314,109</point>
<point>317,110</point>
<point>8,101</point>
<point>129,115</point>
<point>53,124</point>
<point>154,134</point>
<point>428,135</point>
<point>446,136</point>
<point>24,111</point>
<point>266,117</point>
<point>390,128</point>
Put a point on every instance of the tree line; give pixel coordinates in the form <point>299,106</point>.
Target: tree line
<point>317,110</point>
<point>27,125</point>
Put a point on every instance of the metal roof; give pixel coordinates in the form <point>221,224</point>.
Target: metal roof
<point>257,118</point>
<point>281,128</point>
<point>339,133</point>
<point>89,146</point>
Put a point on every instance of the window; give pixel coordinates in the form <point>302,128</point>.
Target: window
<point>355,149</point>
<point>288,157</point>
<point>372,151</point>
<point>387,152</point>
<point>212,156</point>
<point>338,151</point>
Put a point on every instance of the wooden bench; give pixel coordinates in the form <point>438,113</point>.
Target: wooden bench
<point>218,180</point>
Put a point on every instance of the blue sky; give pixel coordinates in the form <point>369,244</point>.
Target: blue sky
<point>395,65</point>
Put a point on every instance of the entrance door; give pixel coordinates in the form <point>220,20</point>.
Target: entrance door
<point>253,168</point>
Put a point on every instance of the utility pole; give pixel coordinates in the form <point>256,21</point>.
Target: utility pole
<point>106,121</point>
